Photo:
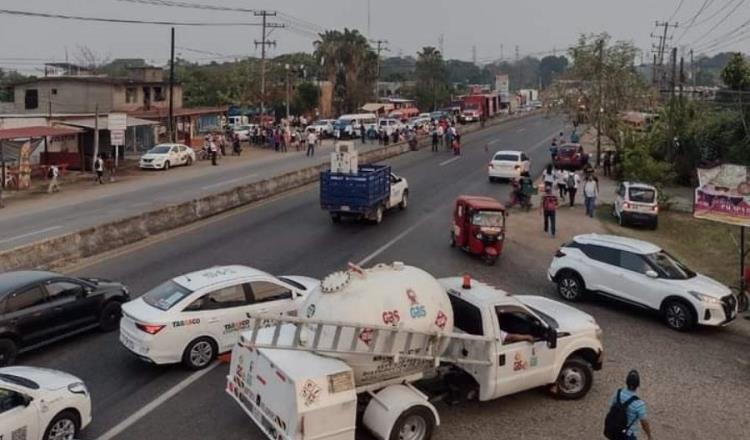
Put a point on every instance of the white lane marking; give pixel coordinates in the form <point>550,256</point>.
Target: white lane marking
<point>449,161</point>
<point>385,247</point>
<point>227,182</point>
<point>29,234</point>
<point>136,416</point>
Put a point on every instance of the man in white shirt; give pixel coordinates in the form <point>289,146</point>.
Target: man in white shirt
<point>54,173</point>
<point>572,184</point>
<point>590,193</point>
<point>311,140</point>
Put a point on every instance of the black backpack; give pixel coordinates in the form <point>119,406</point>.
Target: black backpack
<point>616,423</point>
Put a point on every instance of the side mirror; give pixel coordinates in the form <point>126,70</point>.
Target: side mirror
<point>652,274</point>
<point>88,291</point>
<point>552,338</point>
<point>26,399</point>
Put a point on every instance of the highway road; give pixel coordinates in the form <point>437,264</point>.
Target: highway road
<point>291,235</point>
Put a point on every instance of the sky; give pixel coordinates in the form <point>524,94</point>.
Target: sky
<point>493,27</point>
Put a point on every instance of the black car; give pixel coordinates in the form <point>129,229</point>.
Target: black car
<point>39,307</point>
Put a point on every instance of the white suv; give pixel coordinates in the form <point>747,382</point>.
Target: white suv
<point>642,274</point>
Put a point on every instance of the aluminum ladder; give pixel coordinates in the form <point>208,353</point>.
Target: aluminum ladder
<point>392,342</point>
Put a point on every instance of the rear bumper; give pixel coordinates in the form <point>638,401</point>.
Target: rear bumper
<point>639,217</point>
<point>504,173</point>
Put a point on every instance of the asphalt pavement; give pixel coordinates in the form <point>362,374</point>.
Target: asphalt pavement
<point>291,235</point>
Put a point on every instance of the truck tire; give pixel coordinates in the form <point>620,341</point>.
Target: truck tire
<point>65,425</point>
<point>404,201</point>
<point>336,218</point>
<point>416,423</point>
<point>379,215</point>
<point>8,352</point>
<point>575,379</point>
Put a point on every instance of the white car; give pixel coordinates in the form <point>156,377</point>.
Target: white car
<point>389,125</point>
<point>244,132</point>
<point>508,164</point>
<point>165,156</point>
<point>418,122</point>
<point>644,275</point>
<point>322,127</point>
<point>42,404</point>
<point>194,317</point>
<point>636,203</point>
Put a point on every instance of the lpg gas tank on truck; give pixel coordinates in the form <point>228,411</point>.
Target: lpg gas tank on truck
<point>385,342</point>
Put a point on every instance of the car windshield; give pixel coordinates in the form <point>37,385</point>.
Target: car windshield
<point>669,267</point>
<point>159,150</point>
<point>293,283</point>
<point>18,380</point>
<point>506,157</point>
<point>344,122</point>
<point>642,195</point>
<point>166,295</point>
<point>488,218</point>
<point>548,319</point>
<point>568,151</point>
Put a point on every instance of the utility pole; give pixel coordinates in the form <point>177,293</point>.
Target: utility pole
<point>441,43</point>
<point>661,48</point>
<point>369,34</point>
<point>518,66</point>
<point>502,52</point>
<point>96,136</point>
<point>600,110</point>
<point>263,43</point>
<point>381,46</point>
<point>474,54</point>
<point>692,70</point>
<point>673,81</point>
<point>682,76</point>
<point>172,133</point>
<point>287,67</point>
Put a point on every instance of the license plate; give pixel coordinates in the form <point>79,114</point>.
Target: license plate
<point>127,342</point>
<point>345,208</point>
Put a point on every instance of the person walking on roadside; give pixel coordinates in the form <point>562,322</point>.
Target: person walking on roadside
<point>626,409</point>
<point>109,165</point>
<point>548,209</point>
<point>311,141</point>
<point>214,150</point>
<point>99,169</point>
<point>236,145</point>
<point>607,163</point>
<point>362,132</point>
<point>590,193</point>
<point>572,183</point>
<point>53,174</point>
<point>435,140</point>
<point>223,145</point>
<point>441,134</point>
<point>561,180</point>
<point>553,150</point>
<point>548,177</point>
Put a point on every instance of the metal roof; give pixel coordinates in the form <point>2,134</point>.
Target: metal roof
<point>36,132</point>
<point>479,202</point>
<point>103,122</point>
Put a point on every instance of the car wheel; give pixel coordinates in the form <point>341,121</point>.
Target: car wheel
<point>336,218</point>
<point>492,179</point>
<point>8,352</point>
<point>109,318</point>
<point>166,166</point>
<point>570,286</point>
<point>575,379</point>
<point>199,353</point>
<point>65,426</point>
<point>404,201</point>
<point>189,161</point>
<point>416,423</point>
<point>679,315</point>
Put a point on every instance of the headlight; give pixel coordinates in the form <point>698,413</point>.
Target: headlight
<point>479,236</point>
<point>599,333</point>
<point>702,297</point>
<point>78,388</point>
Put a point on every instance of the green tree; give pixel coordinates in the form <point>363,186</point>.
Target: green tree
<point>551,67</point>
<point>305,98</point>
<point>432,80</point>
<point>350,64</point>
<point>736,74</point>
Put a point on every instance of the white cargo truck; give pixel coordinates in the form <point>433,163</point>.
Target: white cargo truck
<point>381,345</point>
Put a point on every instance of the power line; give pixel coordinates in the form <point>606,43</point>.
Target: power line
<point>716,13</point>
<point>119,20</point>
<point>677,10</point>
<point>719,23</point>
<point>187,5</point>
<point>691,23</point>
<point>721,39</point>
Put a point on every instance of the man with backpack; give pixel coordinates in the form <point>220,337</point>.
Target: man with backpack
<point>549,208</point>
<point>625,410</point>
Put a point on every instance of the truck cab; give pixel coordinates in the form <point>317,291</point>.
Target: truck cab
<point>537,341</point>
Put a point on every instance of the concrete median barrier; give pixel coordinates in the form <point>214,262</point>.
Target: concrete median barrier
<point>68,248</point>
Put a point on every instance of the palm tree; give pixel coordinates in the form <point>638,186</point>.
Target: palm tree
<point>432,82</point>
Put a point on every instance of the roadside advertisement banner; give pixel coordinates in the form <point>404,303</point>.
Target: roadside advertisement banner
<point>502,84</point>
<point>723,195</point>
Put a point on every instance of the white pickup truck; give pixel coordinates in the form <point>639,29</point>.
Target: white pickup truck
<point>302,378</point>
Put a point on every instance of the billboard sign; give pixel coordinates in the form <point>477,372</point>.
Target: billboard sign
<point>723,195</point>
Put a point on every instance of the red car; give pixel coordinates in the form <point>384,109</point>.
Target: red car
<point>571,157</point>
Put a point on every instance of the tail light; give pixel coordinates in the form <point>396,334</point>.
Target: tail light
<point>626,205</point>
<point>655,208</point>
<point>490,165</point>
<point>151,329</point>
<point>518,167</point>
<point>559,253</point>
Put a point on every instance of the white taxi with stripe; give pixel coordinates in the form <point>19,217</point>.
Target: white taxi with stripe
<point>194,317</point>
